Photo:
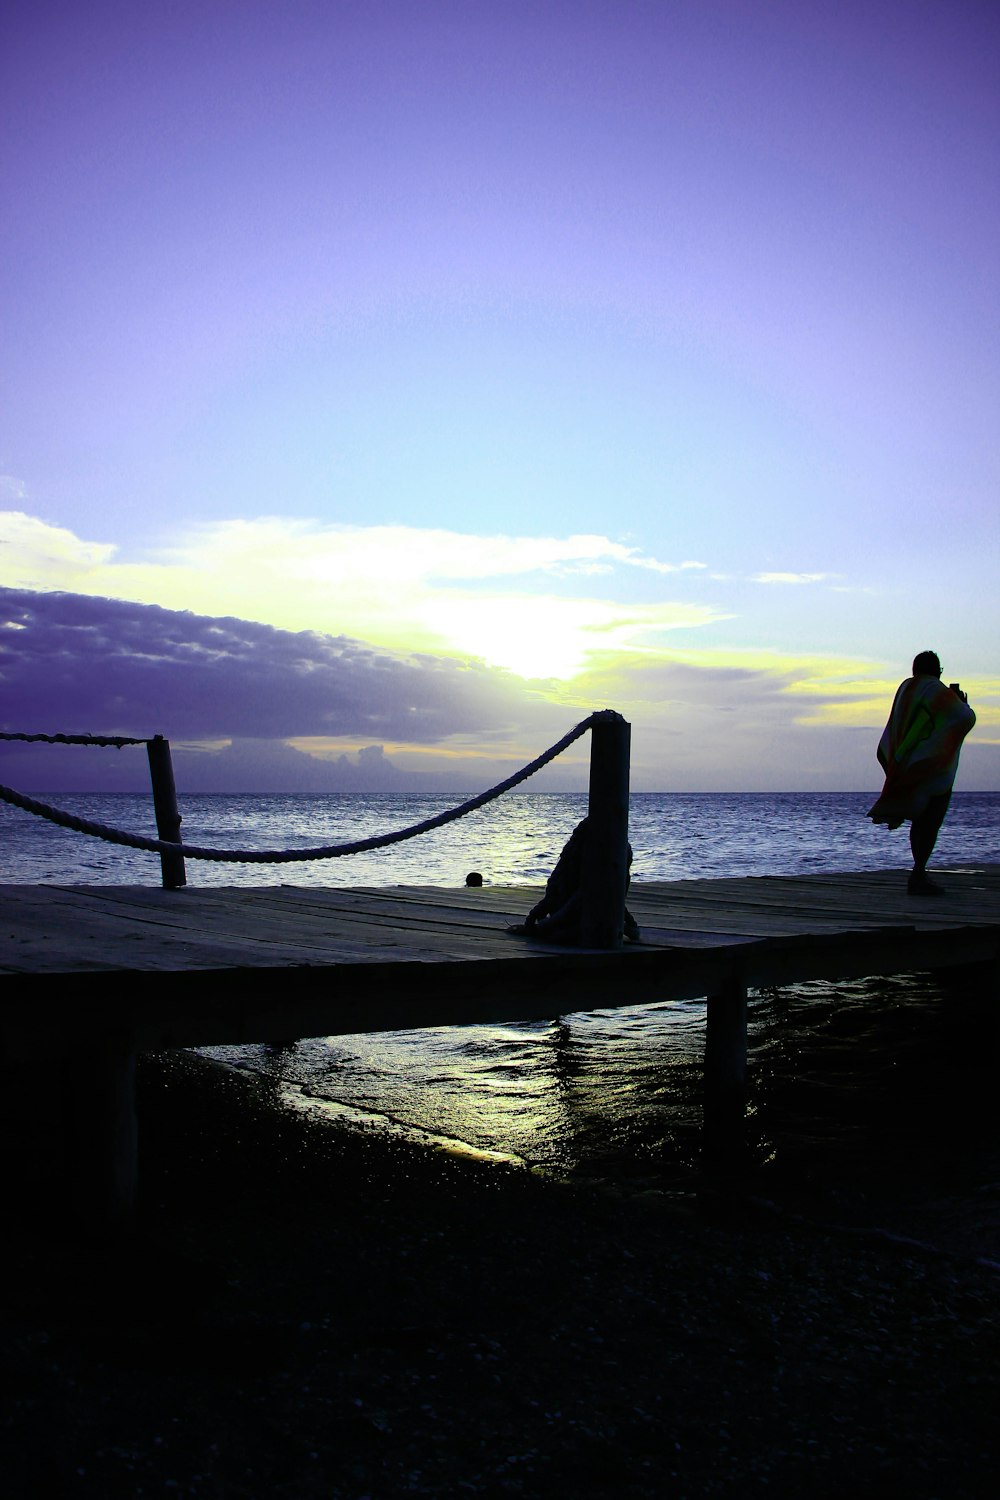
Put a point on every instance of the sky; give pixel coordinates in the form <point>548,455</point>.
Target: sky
<point>387,385</point>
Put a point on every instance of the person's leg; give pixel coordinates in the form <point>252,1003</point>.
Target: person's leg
<point>923,836</point>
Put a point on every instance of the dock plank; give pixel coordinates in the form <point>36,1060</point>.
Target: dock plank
<point>50,930</point>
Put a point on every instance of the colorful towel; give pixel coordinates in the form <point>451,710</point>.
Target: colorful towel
<point>919,748</point>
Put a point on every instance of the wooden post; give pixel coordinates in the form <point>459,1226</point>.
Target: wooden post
<point>726,1076</point>
<point>168,819</point>
<point>606,868</point>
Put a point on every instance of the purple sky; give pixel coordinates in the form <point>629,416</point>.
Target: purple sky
<point>642,355</point>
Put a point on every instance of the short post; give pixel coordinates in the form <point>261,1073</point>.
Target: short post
<point>605,872</point>
<point>168,819</point>
<point>726,1076</point>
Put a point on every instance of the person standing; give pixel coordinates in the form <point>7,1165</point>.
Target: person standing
<point>919,752</point>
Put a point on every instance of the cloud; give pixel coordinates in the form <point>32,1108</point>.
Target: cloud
<point>725,720</point>
<point>71,663</point>
<point>731,719</point>
<point>508,600</point>
<point>363,718</point>
<point>789,577</point>
<point>273,766</point>
<point>36,555</point>
<point>342,638</point>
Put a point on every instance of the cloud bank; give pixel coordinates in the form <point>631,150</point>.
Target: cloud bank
<point>72,664</point>
<point>433,690</point>
<point>536,606</point>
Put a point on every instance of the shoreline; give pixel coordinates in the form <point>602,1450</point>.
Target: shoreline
<point>312,1311</point>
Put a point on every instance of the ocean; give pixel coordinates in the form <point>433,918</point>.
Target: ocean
<point>883,1077</point>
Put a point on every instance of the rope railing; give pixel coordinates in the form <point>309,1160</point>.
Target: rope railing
<point>115,741</point>
<point>605,873</point>
<point>69,820</point>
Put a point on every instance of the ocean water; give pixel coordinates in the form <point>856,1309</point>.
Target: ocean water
<point>845,1080</point>
<point>675,836</point>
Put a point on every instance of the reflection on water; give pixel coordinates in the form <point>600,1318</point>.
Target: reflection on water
<point>885,1080</point>
<point>584,1095</point>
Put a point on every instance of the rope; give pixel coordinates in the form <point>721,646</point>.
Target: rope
<point>117,740</point>
<point>289,856</point>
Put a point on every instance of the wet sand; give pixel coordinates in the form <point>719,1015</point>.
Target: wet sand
<point>319,1312</point>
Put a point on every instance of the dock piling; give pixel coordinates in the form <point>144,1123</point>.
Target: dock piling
<point>726,1076</point>
<point>168,818</point>
<point>606,870</point>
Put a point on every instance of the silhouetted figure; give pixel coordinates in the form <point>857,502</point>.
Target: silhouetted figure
<point>474,878</point>
<point>919,752</point>
<point>556,917</point>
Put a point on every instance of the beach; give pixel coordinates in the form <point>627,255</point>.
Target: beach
<point>310,1311</point>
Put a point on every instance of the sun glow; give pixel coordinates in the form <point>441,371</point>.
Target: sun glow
<point>530,636</point>
<point>540,636</point>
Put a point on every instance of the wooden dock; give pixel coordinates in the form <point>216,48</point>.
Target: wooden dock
<point>110,971</point>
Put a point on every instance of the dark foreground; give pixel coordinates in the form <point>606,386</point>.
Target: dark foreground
<point>315,1313</point>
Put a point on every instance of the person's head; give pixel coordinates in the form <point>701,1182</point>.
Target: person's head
<point>926,664</point>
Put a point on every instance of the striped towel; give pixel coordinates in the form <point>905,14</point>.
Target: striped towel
<point>919,748</point>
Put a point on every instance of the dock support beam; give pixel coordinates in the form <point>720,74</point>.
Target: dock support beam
<point>168,818</point>
<point>605,874</point>
<point>726,1076</point>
